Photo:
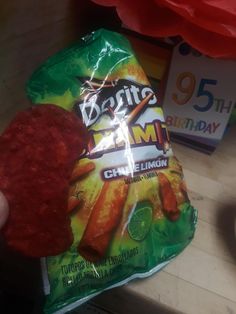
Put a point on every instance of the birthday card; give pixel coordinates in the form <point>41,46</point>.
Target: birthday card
<point>200,95</point>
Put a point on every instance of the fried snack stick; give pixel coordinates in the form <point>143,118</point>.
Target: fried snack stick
<point>168,198</point>
<point>73,202</point>
<point>81,170</point>
<point>104,219</point>
<point>134,114</point>
<point>139,108</point>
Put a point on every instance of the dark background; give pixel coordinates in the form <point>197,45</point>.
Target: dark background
<point>31,31</point>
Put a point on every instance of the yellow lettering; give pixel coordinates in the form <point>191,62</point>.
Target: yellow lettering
<point>97,137</point>
<point>103,140</point>
<point>146,134</point>
<point>123,138</point>
<point>166,131</point>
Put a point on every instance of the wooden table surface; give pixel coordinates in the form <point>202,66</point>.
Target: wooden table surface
<point>201,280</point>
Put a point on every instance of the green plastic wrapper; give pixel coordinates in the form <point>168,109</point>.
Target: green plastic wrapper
<point>130,213</point>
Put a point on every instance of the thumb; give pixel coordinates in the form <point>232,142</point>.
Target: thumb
<point>4,209</point>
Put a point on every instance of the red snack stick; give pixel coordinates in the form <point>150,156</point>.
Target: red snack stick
<point>37,155</point>
<point>81,170</point>
<point>73,202</point>
<point>168,198</point>
<point>104,219</point>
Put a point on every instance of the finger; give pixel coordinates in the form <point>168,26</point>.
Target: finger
<point>4,210</point>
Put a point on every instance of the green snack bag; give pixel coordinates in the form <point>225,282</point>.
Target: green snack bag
<point>130,213</point>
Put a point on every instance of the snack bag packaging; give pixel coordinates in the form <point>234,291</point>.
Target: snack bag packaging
<point>129,209</point>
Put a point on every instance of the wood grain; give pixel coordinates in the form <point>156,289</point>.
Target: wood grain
<point>181,295</point>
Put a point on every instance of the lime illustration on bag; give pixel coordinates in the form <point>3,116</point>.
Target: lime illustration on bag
<point>130,213</point>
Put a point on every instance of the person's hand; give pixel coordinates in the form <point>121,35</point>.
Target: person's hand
<point>20,277</point>
<point>4,209</point>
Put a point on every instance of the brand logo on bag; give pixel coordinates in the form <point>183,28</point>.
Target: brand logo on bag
<point>112,140</point>
<point>116,98</point>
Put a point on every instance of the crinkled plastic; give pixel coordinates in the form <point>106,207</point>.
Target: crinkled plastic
<point>130,213</point>
<point>208,25</point>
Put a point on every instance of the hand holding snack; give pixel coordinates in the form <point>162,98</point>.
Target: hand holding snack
<point>4,210</point>
<point>38,152</point>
